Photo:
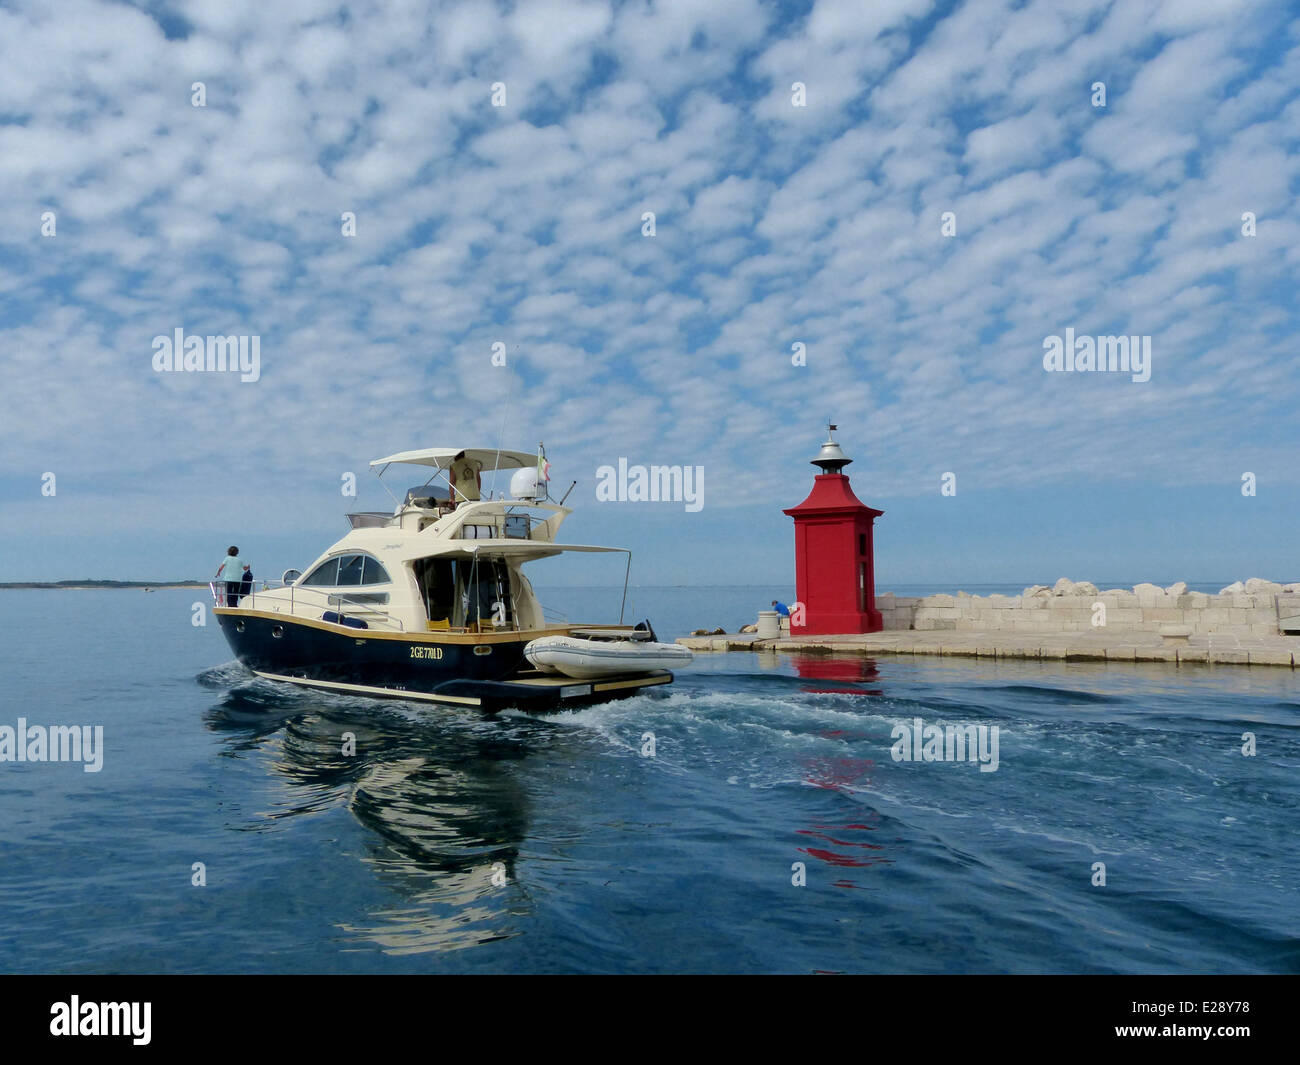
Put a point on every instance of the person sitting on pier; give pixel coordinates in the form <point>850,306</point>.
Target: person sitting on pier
<point>781,608</point>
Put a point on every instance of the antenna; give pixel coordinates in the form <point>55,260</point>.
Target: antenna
<point>566,494</point>
<point>510,388</point>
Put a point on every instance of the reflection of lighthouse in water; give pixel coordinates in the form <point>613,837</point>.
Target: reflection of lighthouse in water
<point>849,671</point>
<point>835,574</point>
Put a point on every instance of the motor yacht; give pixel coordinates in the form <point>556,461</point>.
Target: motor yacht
<point>431,602</point>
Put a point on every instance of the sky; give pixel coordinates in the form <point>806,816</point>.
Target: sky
<point>875,213</point>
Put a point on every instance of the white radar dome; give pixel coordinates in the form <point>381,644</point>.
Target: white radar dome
<point>523,485</point>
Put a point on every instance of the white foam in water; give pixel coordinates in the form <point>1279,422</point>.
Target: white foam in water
<point>227,674</point>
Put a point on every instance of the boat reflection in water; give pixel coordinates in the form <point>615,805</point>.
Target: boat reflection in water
<point>444,811</point>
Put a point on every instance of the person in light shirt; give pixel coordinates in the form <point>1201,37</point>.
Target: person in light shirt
<point>231,571</point>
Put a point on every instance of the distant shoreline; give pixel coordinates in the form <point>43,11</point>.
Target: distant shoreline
<point>86,586</point>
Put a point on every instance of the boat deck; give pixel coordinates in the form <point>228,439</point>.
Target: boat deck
<point>526,690</point>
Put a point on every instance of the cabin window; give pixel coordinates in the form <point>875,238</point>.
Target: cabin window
<point>347,571</point>
<point>326,574</point>
<point>350,567</point>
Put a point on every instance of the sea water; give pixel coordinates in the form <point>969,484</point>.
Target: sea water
<point>751,818</point>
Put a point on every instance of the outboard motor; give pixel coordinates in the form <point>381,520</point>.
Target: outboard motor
<point>645,626</point>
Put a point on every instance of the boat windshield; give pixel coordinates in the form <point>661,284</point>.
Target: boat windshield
<point>428,495</point>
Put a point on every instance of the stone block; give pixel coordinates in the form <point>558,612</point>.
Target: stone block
<point>1175,632</point>
<point>1272,658</point>
<point>1156,654</point>
<point>1085,654</point>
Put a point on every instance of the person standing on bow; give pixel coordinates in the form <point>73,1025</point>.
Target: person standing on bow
<point>231,571</point>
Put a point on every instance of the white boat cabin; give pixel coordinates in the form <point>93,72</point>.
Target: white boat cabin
<point>444,560</point>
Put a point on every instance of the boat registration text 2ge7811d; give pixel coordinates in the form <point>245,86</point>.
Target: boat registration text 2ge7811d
<point>426,652</point>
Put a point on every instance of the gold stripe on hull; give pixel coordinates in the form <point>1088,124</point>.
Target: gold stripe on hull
<point>433,636</point>
<point>366,689</point>
<point>611,685</point>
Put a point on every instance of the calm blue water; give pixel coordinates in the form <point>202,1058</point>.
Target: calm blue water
<point>615,862</point>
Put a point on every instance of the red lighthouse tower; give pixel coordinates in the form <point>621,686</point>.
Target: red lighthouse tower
<point>835,576</point>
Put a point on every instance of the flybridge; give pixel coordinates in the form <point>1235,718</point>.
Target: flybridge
<point>442,458</point>
<point>463,468</point>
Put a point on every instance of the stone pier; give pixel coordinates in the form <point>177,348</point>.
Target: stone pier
<point>1252,623</point>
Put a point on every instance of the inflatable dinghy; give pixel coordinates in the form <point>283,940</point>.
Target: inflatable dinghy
<point>586,657</point>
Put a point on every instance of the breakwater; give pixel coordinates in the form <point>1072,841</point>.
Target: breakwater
<point>1254,622</point>
<point>1247,608</point>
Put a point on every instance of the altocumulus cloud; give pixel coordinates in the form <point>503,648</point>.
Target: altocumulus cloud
<point>523,224</point>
